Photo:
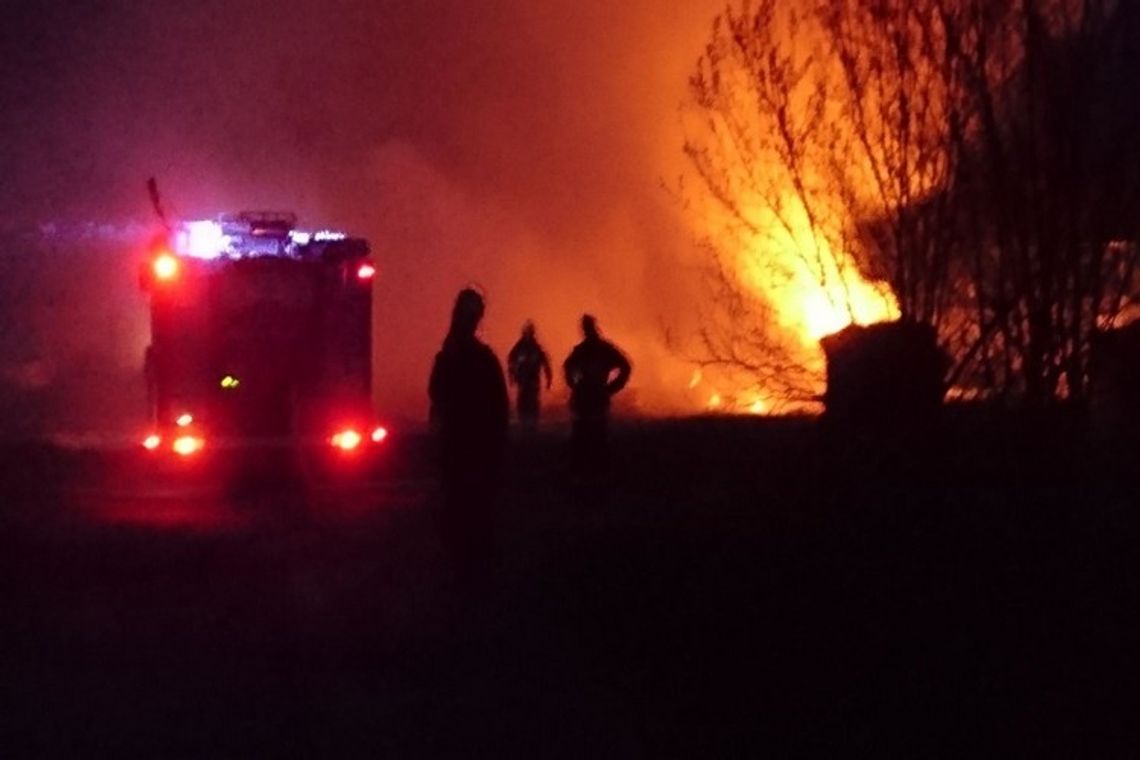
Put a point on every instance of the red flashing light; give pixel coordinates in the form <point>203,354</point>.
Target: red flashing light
<point>166,266</point>
<point>185,445</point>
<point>365,271</point>
<point>379,434</point>
<point>346,440</point>
<point>151,442</point>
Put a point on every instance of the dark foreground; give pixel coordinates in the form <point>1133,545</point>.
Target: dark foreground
<point>734,588</point>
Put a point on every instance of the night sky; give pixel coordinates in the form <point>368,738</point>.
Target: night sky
<point>518,145</point>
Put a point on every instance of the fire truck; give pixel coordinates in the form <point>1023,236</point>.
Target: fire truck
<point>260,337</point>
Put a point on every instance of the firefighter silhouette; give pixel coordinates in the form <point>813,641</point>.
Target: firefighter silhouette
<point>595,370</point>
<point>526,361</point>
<point>469,411</point>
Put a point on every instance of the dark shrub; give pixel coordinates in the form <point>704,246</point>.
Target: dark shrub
<point>1115,397</point>
<point>884,374</point>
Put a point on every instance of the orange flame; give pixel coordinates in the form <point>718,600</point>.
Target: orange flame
<point>815,290</point>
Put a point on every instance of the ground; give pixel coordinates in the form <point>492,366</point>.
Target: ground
<point>732,588</point>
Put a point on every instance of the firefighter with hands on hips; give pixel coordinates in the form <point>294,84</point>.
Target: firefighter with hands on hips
<point>595,370</point>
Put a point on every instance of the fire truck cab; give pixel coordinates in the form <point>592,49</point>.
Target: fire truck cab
<point>260,335</point>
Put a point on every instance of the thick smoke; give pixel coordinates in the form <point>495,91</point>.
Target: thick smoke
<point>517,145</point>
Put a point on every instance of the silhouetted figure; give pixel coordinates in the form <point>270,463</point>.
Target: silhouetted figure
<point>595,371</point>
<point>526,361</point>
<point>469,410</point>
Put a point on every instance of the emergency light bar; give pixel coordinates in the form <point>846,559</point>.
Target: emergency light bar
<point>252,234</point>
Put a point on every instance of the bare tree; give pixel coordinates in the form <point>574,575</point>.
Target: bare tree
<point>1053,173</point>
<point>740,341</point>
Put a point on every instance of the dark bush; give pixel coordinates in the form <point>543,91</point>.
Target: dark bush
<point>1115,398</point>
<point>888,374</point>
